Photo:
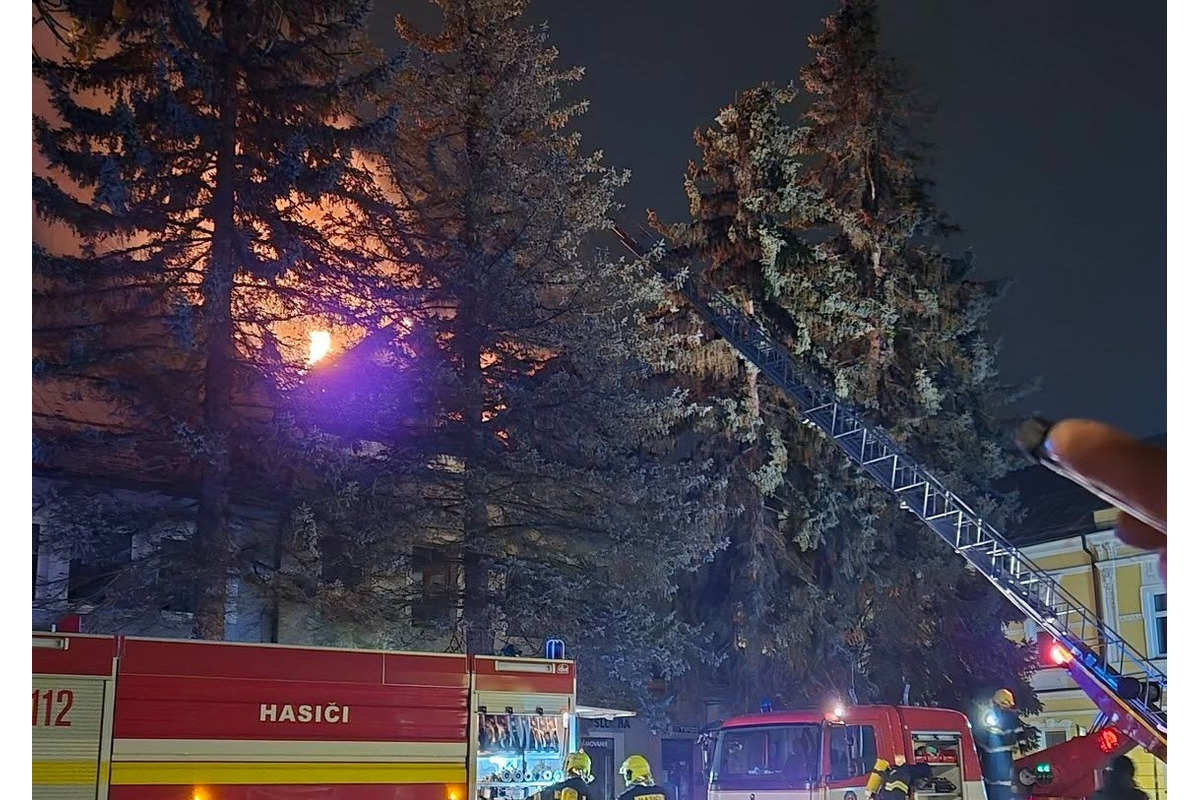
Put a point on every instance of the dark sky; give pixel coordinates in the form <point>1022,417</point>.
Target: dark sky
<point>1050,153</point>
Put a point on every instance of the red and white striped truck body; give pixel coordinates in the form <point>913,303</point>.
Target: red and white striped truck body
<point>127,718</point>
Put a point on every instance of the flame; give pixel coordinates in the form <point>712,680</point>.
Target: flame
<point>319,343</point>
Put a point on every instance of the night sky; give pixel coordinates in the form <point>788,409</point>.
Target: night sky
<point>1050,147</point>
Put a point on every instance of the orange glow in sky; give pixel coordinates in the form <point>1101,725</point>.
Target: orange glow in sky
<point>319,343</point>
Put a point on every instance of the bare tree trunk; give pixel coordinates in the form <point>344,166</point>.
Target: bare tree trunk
<point>477,612</point>
<point>212,546</point>
<point>479,632</point>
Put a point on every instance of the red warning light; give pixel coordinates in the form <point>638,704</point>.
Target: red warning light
<point>1051,654</point>
<point>1059,654</point>
<point>1108,740</point>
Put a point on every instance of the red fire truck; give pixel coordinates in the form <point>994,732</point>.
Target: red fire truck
<point>814,755</point>
<point>131,718</point>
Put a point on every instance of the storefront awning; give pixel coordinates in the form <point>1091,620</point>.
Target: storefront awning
<point>593,712</point>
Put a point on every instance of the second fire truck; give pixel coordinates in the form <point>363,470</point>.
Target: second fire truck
<point>125,718</point>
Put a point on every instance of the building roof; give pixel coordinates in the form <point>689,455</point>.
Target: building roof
<point>1055,508</point>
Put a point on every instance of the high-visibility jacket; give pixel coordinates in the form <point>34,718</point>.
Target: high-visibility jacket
<point>573,788</point>
<point>648,792</point>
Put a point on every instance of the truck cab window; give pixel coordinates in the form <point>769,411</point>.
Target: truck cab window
<point>851,751</point>
<point>768,757</point>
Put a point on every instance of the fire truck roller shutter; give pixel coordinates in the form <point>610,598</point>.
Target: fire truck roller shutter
<point>68,736</point>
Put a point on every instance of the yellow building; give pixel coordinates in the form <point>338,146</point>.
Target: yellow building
<point>1121,585</point>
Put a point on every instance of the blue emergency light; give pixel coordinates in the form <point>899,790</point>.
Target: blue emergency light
<point>556,650</point>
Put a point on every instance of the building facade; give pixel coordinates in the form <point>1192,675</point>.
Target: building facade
<point>1123,587</point>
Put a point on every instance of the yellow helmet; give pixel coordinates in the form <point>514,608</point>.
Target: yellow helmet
<point>578,763</point>
<point>636,769</point>
<point>1004,698</point>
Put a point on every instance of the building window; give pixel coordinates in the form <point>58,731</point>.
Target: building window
<point>435,581</point>
<point>178,598</point>
<point>91,577</point>
<point>338,564</point>
<point>1051,738</point>
<point>1154,609</point>
<point>172,583</point>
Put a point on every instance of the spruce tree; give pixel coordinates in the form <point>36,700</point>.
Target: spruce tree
<point>527,442</point>
<point>920,358</point>
<point>197,151</point>
<point>746,174</point>
<point>827,232</point>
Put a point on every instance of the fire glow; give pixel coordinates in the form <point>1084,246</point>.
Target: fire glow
<point>319,343</point>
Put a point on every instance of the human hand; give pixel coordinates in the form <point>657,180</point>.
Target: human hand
<point>1127,472</point>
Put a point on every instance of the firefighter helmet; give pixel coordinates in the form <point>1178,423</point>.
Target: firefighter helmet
<point>1004,698</point>
<point>578,763</point>
<point>636,769</point>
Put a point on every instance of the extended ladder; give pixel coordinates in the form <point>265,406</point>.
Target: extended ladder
<point>1104,665</point>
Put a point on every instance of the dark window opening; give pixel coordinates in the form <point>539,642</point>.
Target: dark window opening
<point>91,578</point>
<point>435,578</point>
<point>337,563</point>
<point>1053,738</point>
<point>1160,623</point>
<point>174,584</point>
<point>179,598</point>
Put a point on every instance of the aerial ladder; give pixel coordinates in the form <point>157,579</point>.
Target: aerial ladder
<point>1113,674</point>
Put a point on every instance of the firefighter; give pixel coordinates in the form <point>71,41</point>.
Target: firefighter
<point>578,768</point>
<point>1118,782</point>
<point>996,739</point>
<point>898,782</point>
<point>875,779</point>
<point>639,783</point>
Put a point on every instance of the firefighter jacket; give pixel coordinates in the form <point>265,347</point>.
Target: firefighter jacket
<point>1001,737</point>
<point>996,744</point>
<point>640,792</point>
<point>898,782</point>
<point>573,788</point>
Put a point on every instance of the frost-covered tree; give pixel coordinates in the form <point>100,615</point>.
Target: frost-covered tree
<point>195,150</point>
<point>908,336</point>
<point>826,231</point>
<point>527,443</point>
<point>910,344</point>
<point>747,174</point>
